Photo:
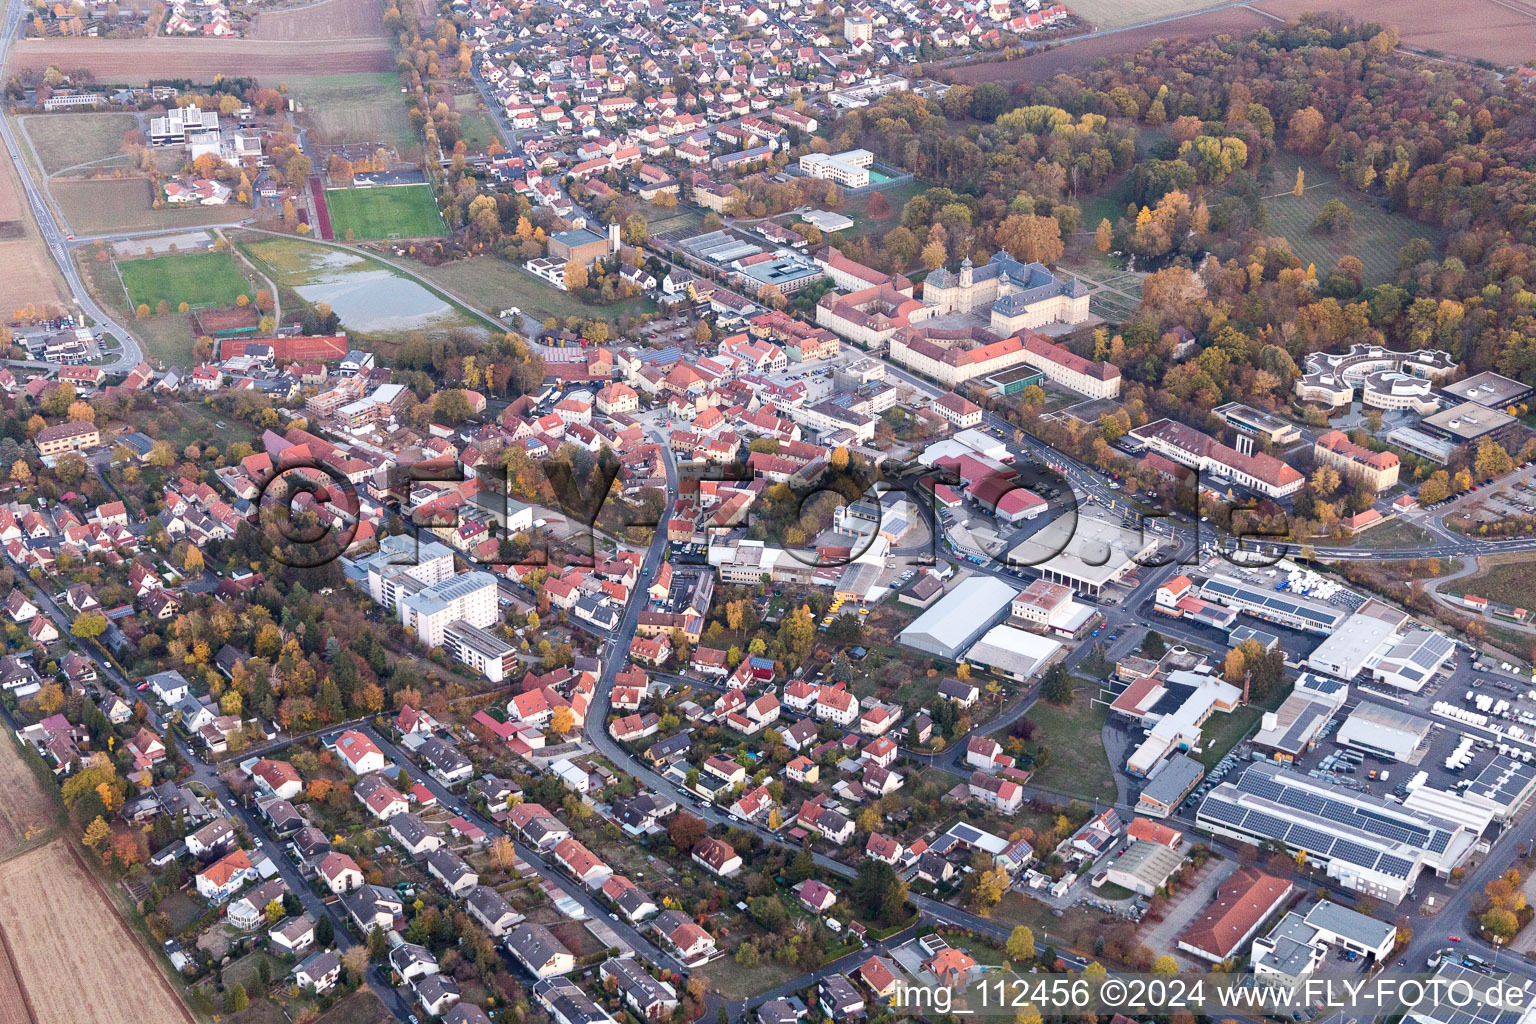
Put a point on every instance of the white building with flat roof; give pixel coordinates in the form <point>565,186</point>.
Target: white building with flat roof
<point>1081,552</point>
<point>1361,841</point>
<point>1010,652</point>
<point>1384,732</point>
<point>849,169</point>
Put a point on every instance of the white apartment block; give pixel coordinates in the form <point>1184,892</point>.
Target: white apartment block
<point>431,610</point>
<point>402,558</point>
<point>849,169</point>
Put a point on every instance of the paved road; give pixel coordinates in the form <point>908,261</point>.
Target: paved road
<point>54,236</point>
<point>208,776</point>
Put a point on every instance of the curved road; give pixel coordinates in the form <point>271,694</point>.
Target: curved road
<point>54,236</point>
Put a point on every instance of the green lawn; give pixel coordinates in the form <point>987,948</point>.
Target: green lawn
<point>477,130</point>
<point>167,340</point>
<point>1396,534</point>
<point>1375,238</point>
<point>897,196</point>
<point>1074,736</point>
<point>492,284</point>
<point>401,211</point>
<point>1507,583</point>
<point>65,140</point>
<point>196,278</point>
<point>356,108</point>
<point>1223,732</point>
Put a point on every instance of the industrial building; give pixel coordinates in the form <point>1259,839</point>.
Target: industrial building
<point>1290,730</point>
<point>1298,945</point>
<point>960,617</point>
<point>1385,732</point>
<point>1287,609</point>
<point>1175,708</point>
<point>1363,842</point>
<point>1174,781</point>
<point>1503,786</point>
<point>1243,902</point>
<point>1379,639</point>
<point>1143,867</point>
<point>1012,653</point>
<point>1346,653</point>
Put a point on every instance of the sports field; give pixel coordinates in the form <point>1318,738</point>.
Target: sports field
<point>196,278</point>
<point>404,211</point>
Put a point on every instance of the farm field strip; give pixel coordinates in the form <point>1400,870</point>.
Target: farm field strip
<point>1082,51</point>
<point>135,61</point>
<point>25,809</point>
<point>335,19</point>
<point>76,958</point>
<point>1493,30</point>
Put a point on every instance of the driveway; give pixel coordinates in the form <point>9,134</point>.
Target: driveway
<point>1163,936</point>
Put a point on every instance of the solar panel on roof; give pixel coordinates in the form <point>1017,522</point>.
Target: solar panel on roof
<point>1304,837</point>
<point>1266,824</point>
<point>1302,800</point>
<point>1261,786</point>
<point>1219,810</point>
<point>966,832</point>
<point>1394,866</point>
<point>1354,853</point>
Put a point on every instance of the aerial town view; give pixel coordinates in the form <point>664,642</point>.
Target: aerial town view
<point>767,511</point>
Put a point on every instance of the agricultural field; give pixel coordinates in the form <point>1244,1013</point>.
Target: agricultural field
<point>1104,14</point>
<point>333,19</point>
<point>1492,30</point>
<point>78,961</point>
<point>1375,238</point>
<point>1079,52</point>
<point>13,1002</point>
<point>492,285</point>
<point>68,140</point>
<point>27,275</point>
<point>136,61</point>
<point>398,211</point>
<point>26,809</point>
<point>196,278</point>
<point>107,205</point>
<point>355,108</point>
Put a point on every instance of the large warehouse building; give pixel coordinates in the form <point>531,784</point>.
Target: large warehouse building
<point>1381,640</point>
<point>1363,842</point>
<point>960,617</point>
<point>1385,732</point>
